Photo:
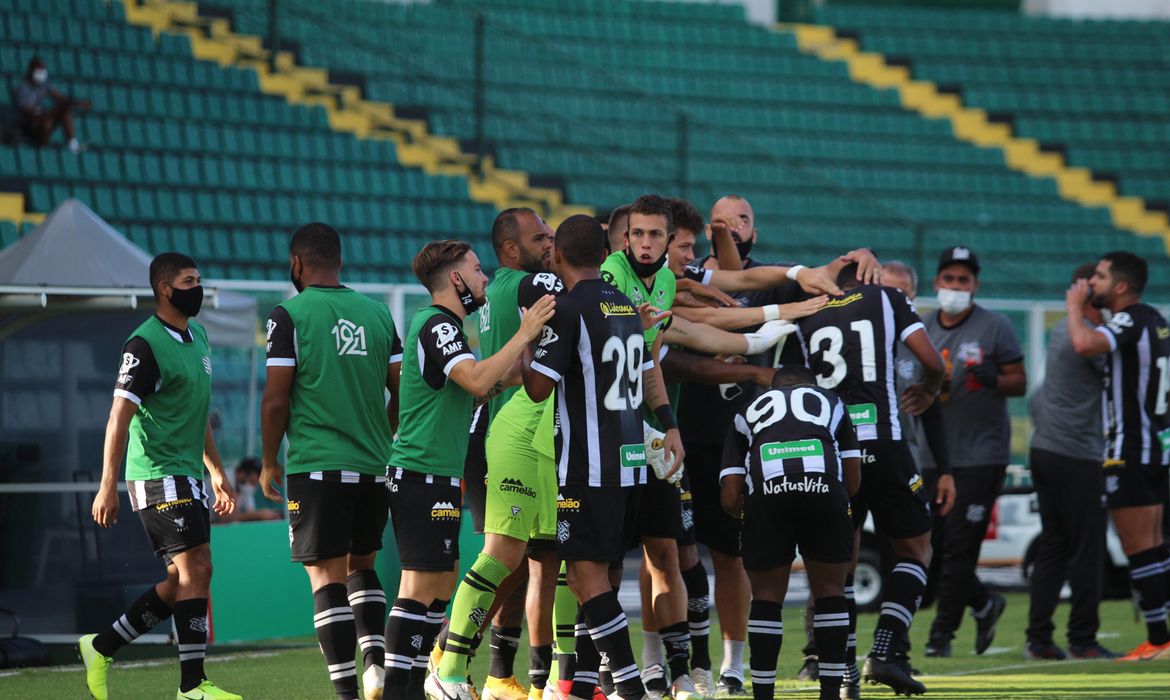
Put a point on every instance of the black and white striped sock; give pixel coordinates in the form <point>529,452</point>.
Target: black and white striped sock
<point>404,642</point>
<point>611,635</point>
<point>1149,585</point>
<point>368,601</point>
<point>337,633</point>
<point>766,636</point>
<point>539,664</point>
<point>430,632</point>
<point>677,640</point>
<point>852,674</point>
<point>191,631</point>
<point>142,615</point>
<point>907,581</point>
<point>831,631</point>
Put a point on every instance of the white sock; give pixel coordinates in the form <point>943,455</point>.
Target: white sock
<point>652,651</point>
<point>732,664</point>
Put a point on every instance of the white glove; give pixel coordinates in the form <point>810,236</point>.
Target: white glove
<point>768,335</point>
<point>656,455</point>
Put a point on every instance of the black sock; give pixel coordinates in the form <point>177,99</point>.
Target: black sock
<point>430,632</point>
<point>539,665</point>
<point>337,633</point>
<point>699,614</point>
<point>191,630</point>
<point>1149,585</point>
<point>586,671</point>
<point>765,636</point>
<point>907,581</point>
<point>404,635</point>
<point>505,642</point>
<point>677,640</point>
<point>1166,572</point>
<point>142,615</point>
<point>610,633</point>
<point>810,642</point>
<point>852,674</point>
<point>368,601</point>
<point>831,629</point>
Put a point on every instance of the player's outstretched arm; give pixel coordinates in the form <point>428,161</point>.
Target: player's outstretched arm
<point>479,377</point>
<point>225,495</point>
<point>701,294</point>
<point>743,317</point>
<point>701,337</point>
<point>105,503</point>
<point>869,268</point>
<point>682,366</point>
<point>727,254</point>
<point>274,411</point>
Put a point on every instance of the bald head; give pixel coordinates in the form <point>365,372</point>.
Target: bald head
<point>736,213</point>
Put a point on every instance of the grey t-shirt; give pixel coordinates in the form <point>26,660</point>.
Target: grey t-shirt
<point>30,96</point>
<point>1066,409</point>
<point>977,424</point>
<point>909,371</point>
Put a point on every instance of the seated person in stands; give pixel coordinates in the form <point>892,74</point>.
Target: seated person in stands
<point>250,501</point>
<point>38,120</point>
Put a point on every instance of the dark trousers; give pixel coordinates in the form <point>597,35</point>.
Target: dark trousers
<point>963,531</point>
<point>1071,546</point>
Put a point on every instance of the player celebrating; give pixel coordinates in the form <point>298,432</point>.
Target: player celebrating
<point>331,354</point>
<point>1137,427</point>
<point>160,408</point>
<point>796,448</point>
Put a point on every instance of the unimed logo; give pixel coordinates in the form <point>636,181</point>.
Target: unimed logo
<point>792,450</point>
<point>633,456</point>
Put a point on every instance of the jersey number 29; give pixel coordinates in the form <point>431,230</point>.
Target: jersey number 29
<point>627,358</point>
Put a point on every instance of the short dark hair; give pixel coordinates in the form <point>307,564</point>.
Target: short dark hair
<point>1084,271</point>
<point>581,241</point>
<point>436,259</point>
<point>318,245</point>
<point>788,375</point>
<point>166,266</point>
<point>506,227</point>
<point>1129,268</point>
<point>847,277</point>
<point>683,214</point>
<point>652,205</point>
<point>249,464</point>
<point>619,213</point>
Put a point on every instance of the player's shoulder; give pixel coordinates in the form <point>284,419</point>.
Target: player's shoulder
<point>542,282</point>
<point>615,269</point>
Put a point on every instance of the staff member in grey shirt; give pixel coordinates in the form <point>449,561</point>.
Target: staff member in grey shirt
<point>1065,459</point>
<point>984,367</point>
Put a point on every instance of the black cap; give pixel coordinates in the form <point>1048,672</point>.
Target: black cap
<point>959,254</point>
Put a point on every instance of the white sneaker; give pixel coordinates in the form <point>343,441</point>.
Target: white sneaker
<point>438,689</point>
<point>373,681</point>
<point>683,688</point>
<point>704,681</point>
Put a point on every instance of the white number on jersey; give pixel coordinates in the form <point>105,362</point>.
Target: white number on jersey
<point>832,353</point>
<point>1163,364</point>
<point>350,338</point>
<point>627,355</point>
<point>772,406</point>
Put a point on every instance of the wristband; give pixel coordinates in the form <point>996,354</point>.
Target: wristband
<point>665,417</point>
<point>793,272</point>
<point>771,312</point>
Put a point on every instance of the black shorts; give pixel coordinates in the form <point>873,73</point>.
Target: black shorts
<point>594,523</point>
<point>330,519</point>
<point>426,511</point>
<point>176,526</point>
<point>713,526</point>
<point>1130,483</point>
<point>475,473</point>
<point>659,511</point>
<point>893,490</point>
<point>687,508</point>
<point>775,524</point>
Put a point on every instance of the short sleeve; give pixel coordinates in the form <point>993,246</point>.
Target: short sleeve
<point>698,273</point>
<point>442,343</point>
<point>534,287</point>
<point>554,351</point>
<point>1120,331</point>
<point>906,320</point>
<point>1007,344</point>
<point>844,433</point>
<point>282,339</point>
<point>735,449</point>
<point>138,376</point>
<point>395,344</point>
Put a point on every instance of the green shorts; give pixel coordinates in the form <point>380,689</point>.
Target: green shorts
<point>521,485</point>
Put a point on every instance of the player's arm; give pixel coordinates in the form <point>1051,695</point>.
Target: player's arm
<point>726,252</point>
<point>918,397</point>
<point>702,294</point>
<point>714,341</point>
<point>733,476</point>
<point>225,495</point>
<point>682,366</point>
<point>936,440</point>
<point>137,378</point>
<point>654,393</point>
<point>869,269</point>
<point>849,450</point>
<point>1085,340</point>
<point>814,280</point>
<point>478,377</point>
<point>743,317</point>
<point>280,373</point>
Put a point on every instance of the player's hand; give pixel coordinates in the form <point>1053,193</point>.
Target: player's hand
<point>945,498</point>
<point>105,506</point>
<point>710,296</point>
<point>271,479</point>
<point>765,375</point>
<point>817,280</point>
<point>869,270</point>
<point>225,495</point>
<point>673,447</point>
<point>768,335</point>
<point>536,316</point>
<point>800,309</point>
<point>651,315</point>
<point>1078,293</point>
<point>986,373</point>
<point>916,399</point>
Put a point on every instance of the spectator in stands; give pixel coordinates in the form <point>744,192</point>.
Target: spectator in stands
<point>1065,460</point>
<point>250,501</point>
<point>38,120</point>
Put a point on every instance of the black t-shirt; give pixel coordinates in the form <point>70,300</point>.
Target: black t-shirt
<point>139,375</point>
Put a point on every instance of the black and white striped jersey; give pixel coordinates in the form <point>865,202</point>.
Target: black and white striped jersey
<point>1137,381</point>
<point>593,349</point>
<point>851,345</point>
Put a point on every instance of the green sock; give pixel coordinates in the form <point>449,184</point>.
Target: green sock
<point>472,601</point>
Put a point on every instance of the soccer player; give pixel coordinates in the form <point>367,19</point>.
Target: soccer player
<point>850,345</point>
<point>332,354</point>
<point>594,355</point>
<point>796,451</point>
<point>1136,340</point>
<point>441,381</point>
<point>159,411</point>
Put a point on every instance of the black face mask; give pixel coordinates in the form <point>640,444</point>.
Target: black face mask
<point>744,248</point>
<point>466,298</point>
<point>642,269</point>
<point>187,301</point>
<point>296,283</point>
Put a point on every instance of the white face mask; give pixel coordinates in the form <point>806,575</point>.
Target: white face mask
<point>40,76</point>
<point>953,302</point>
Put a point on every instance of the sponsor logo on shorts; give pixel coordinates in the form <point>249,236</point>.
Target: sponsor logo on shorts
<point>444,510</point>
<point>976,513</point>
<point>562,531</point>
<point>447,545</point>
<point>173,504</point>
<point>1112,483</point>
<point>294,506</point>
<point>515,511</point>
<point>863,414</point>
<point>181,524</point>
<point>915,483</point>
<point>633,456</point>
<point>570,504</point>
<point>509,485</point>
<point>808,484</point>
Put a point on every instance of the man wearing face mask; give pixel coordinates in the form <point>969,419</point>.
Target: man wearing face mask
<point>985,366</point>
<point>37,120</point>
<point>161,400</point>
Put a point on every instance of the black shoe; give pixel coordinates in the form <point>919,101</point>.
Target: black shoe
<point>985,626</point>
<point>809,671</point>
<point>903,662</point>
<point>850,692</point>
<point>1091,651</point>
<point>888,673</point>
<point>731,687</point>
<point>1044,652</point>
<point>938,649</point>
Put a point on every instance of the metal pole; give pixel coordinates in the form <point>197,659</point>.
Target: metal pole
<point>479,92</point>
<point>682,154</point>
<point>273,36</point>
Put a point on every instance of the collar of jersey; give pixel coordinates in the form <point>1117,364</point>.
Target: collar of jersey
<point>449,312</point>
<point>182,336</point>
